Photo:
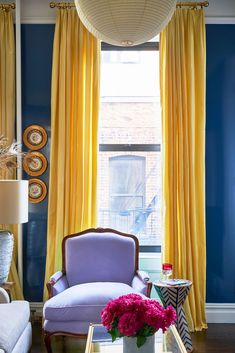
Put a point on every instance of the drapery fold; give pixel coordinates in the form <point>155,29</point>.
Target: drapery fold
<point>7,118</point>
<point>182,81</point>
<point>74,133</point>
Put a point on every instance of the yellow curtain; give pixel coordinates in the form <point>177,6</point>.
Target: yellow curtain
<point>182,76</point>
<point>16,291</point>
<point>7,116</point>
<point>74,129</point>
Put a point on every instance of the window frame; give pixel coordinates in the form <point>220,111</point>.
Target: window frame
<point>148,46</point>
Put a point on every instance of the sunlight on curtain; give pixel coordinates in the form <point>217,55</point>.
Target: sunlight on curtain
<point>7,116</point>
<point>74,129</point>
<point>182,70</point>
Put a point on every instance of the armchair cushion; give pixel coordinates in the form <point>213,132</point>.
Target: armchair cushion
<point>4,297</point>
<point>80,327</point>
<point>111,259</point>
<point>84,302</point>
<point>14,320</point>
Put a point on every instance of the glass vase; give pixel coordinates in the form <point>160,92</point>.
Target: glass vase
<point>130,346</point>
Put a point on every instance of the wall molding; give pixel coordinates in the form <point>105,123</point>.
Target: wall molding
<point>220,20</point>
<point>36,309</point>
<point>51,20</point>
<point>215,312</point>
<point>38,20</point>
<point>220,313</point>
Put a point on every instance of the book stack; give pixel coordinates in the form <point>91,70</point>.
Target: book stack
<point>174,282</point>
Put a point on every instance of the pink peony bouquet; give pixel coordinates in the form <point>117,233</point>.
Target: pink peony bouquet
<point>131,315</point>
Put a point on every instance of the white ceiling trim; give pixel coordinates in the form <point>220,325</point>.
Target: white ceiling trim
<point>37,20</point>
<point>220,20</point>
<point>51,20</point>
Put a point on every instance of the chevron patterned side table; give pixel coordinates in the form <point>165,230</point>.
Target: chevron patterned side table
<point>175,296</point>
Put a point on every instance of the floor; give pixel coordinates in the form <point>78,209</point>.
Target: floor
<point>70,345</point>
<point>218,338</point>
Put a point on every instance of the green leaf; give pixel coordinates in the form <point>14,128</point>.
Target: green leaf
<point>119,334</point>
<point>114,333</point>
<point>146,331</point>
<point>140,341</point>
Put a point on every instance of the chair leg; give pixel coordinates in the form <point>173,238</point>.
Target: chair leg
<point>47,341</point>
<point>64,344</point>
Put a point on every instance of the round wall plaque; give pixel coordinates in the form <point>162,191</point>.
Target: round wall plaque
<point>35,137</point>
<point>37,190</point>
<point>35,163</point>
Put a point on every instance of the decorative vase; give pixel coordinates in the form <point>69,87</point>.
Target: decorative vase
<point>6,249</point>
<point>130,346</point>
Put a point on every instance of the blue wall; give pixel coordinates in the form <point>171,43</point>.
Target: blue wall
<point>220,163</point>
<point>37,41</point>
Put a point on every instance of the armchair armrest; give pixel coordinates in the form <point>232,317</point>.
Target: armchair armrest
<point>4,297</point>
<point>141,282</point>
<point>57,284</point>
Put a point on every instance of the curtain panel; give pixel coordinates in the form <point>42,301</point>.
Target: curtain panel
<point>182,81</point>
<point>74,131</point>
<point>7,118</point>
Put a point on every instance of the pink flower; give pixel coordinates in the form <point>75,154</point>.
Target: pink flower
<point>154,317</point>
<point>112,310</point>
<point>129,324</point>
<point>107,318</point>
<point>170,317</point>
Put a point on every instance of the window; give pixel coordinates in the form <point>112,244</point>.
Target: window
<point>129,183</point>
<point>126,190</point>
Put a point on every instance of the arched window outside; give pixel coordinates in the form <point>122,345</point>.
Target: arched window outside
<point>127,183</point>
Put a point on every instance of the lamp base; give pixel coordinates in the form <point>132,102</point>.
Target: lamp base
<point>6,250</point>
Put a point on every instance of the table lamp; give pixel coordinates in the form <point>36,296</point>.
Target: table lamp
<point>13,210</point>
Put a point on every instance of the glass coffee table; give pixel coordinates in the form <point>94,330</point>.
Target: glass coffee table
<point>99,341</point>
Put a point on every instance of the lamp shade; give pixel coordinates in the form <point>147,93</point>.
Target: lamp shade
<point>13,201</point>
<point>125,22</point>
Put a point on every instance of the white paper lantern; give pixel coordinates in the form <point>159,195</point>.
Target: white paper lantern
<point>125,22</point>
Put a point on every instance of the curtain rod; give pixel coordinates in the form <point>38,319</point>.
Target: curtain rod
<point>68,5</point>
<point>61,5</point>
<point>193,4</point>
<point>7,7</point>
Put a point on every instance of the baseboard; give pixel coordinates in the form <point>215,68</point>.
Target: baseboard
<point>36,309</point>
<point>215,312</point>
<point>220,313</point>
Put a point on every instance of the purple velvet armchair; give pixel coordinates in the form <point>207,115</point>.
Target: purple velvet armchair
<point>97,265</point>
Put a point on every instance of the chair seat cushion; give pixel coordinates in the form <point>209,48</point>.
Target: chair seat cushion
<point>84,302</point>
<point>75,327</point>
<point>14,317</point>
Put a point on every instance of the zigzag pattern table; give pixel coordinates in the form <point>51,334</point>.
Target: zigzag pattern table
<point>175,296</point>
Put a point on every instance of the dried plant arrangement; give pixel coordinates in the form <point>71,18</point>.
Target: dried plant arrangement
<point>10,154</point>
